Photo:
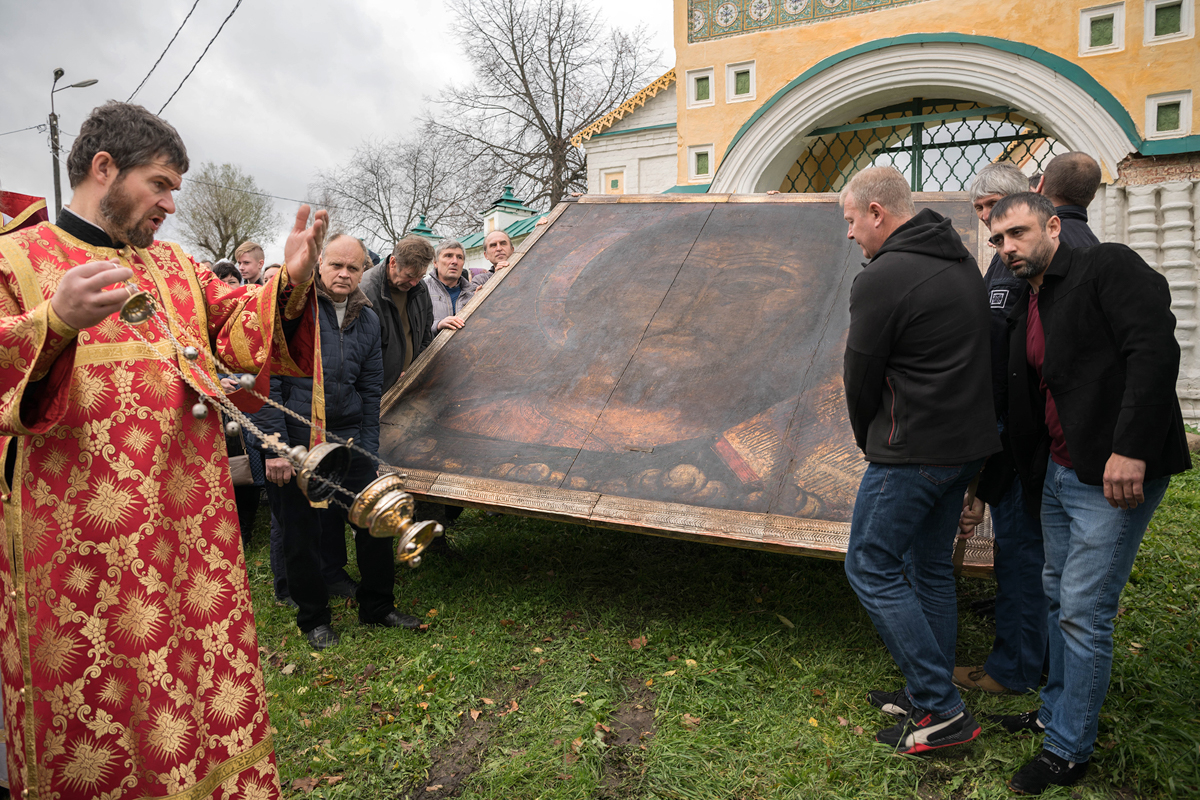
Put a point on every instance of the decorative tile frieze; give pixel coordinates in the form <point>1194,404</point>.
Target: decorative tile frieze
<point>716,19</point>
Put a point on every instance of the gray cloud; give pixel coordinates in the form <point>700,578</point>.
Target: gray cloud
<point>289,88</point>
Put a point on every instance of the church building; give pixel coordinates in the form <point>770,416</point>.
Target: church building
<point>798,95</point>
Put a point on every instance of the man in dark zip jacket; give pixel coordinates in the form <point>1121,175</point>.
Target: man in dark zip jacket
<point>402,301</point>
<point>352,365</point>
<point>918,386</point>
<point>1094,432</point>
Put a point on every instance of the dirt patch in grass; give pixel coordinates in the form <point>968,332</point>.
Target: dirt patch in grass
<point>452,763</point>
<point>631,726</point>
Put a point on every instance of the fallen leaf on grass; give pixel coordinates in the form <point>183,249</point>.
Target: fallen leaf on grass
<point>594,657</point>
<point>548,639</point>
<point>289,669</point>
<point>576,743</point>
<point>305,785</point>
<point>423,627</point>
<point>474,714</point>
<point>858,730</point>
<point>506,622</point>
<point>424,706</point>
<point>650,682</point>
<point>516,668</point>
<point>843,721</point>
<point>787,623</point>
<point>431,612</point>
<point>538,650</point>
<point>333,709</point>
<point>306,722</point>
<point>376,708</point>
<point>672,658</point>
<point>570,758</point>
<point>600,726</point>
<point>577,702</point>
<point>691,662</point>
<point>512,706</point>
<point>333,779</point>
<point>638,643</point>
<point>437,787</point>
<point>813,721</point>
<point>668,673</point>
<point>818,693</point>
<point>487,701</point>
<point>564,777</point>
<point>690,722</point>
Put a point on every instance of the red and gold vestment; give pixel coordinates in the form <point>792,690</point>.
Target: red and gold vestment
<point>127,639</point>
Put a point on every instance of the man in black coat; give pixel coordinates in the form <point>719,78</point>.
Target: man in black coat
<point>402,300</point>
<point>1094,432</point>
<point>352,367</point>
<point>919,395</point>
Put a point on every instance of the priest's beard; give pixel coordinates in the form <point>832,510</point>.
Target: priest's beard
<point>117,210</point>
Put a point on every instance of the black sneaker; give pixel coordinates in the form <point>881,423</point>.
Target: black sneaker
<point>894,704</point>
<point>1045,771</point>
<point>321,637</point>
<point>286,601</point>
<point>1018,723</point>
<point>921,731</point>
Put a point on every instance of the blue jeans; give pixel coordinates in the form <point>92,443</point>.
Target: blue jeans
<point>902,508</point>
<point>1090,547</point>
<point>1019,651</point>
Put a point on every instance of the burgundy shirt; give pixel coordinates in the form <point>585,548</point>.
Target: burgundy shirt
<point>1035,354</point>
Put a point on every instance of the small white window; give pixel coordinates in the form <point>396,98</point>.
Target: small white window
<point>1169,21</point>
<point>739,82</point>
<point>700,164</point>
<point>1102,29</point>
<point>1169,115</point>
<point>700,88</point>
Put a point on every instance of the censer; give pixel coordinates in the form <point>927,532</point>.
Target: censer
<point>383,507</point>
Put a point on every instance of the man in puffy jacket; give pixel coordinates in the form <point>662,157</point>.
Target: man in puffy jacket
<point>353,370</point>
<point>918,386</point>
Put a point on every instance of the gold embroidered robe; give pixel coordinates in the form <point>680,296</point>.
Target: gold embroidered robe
<point>127,640</point>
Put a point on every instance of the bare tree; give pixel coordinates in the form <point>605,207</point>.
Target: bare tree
<point>386,186</point>
<point>220,207</point>
<point>545,70</point>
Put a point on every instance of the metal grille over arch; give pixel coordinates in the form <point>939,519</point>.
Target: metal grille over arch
<point>939,144</point>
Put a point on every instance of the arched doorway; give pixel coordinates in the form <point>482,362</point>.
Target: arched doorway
<point>1058,97</point>
<point>938,143</point>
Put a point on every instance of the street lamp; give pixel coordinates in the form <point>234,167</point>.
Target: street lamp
<point>58,73</point>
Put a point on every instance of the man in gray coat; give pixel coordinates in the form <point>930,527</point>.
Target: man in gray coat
<point>402,302</point>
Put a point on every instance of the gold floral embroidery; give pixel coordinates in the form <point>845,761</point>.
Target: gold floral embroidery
<point>108,507</point>
<point>140,619</point>
<point>169,733</point>
<point>88,765</point>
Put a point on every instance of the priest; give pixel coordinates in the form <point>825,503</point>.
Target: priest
<point>127,641</point>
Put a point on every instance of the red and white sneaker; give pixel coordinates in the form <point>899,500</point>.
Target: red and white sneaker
<point>921,731</point>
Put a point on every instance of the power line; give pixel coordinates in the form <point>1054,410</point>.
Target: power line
<point>39,128</point>
<point>312,203</point>
<point>164,52</point>
<point>193,69</point>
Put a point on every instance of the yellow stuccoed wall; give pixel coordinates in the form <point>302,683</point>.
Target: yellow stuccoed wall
<point>781,54</point>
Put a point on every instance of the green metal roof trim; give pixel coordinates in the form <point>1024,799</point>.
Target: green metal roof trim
<point>514,230</point>
<point>664,126</point>
<point>1072,72</point>
<point>688,188</point>
<point>509,200</point>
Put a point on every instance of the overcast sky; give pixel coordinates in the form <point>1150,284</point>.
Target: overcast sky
<point>287,89</point>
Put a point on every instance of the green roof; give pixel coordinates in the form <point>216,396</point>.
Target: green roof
<point>515,230</point>
<point>421,229</point>
<point>509,201</point>
<point>694,188</point>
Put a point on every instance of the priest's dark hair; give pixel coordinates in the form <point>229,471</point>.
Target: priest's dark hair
<point>130,134</point>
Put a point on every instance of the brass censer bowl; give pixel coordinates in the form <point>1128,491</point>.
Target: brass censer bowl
<point>320,471</point>
<point>392,515</point>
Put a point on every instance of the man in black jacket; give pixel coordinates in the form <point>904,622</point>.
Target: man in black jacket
<point>405,310</point>
<point>1095,432</point>
<point>919,393</point>
<point>352,367</point>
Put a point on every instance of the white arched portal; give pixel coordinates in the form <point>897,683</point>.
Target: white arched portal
<point>764,151</point>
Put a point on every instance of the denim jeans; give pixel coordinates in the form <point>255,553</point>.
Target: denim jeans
<point>1090,547</point>
<point>902,508</point>
<point>1019,651</point>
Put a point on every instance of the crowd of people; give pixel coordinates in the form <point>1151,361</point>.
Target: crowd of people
<point>1044,388</point>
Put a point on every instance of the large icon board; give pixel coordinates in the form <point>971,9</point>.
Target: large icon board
<point>667,364</point>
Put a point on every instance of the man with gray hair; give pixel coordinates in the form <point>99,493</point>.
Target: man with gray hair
<point>449,289</point>
<point>497,249</point>
<point>1019,650</point>
<point>917,384</point>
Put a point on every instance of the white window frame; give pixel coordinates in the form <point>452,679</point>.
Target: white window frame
<point>1117,11</point>
<point>731,71</point>
<point>692,151</point>
<point>1184,99</point>
<point>1187,22</point>
<point>692,74</point>
<point>607,175</point>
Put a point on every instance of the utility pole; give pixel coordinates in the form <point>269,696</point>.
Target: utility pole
<point>54,147</point>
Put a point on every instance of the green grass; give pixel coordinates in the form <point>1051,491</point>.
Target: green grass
<point>765,655</point>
